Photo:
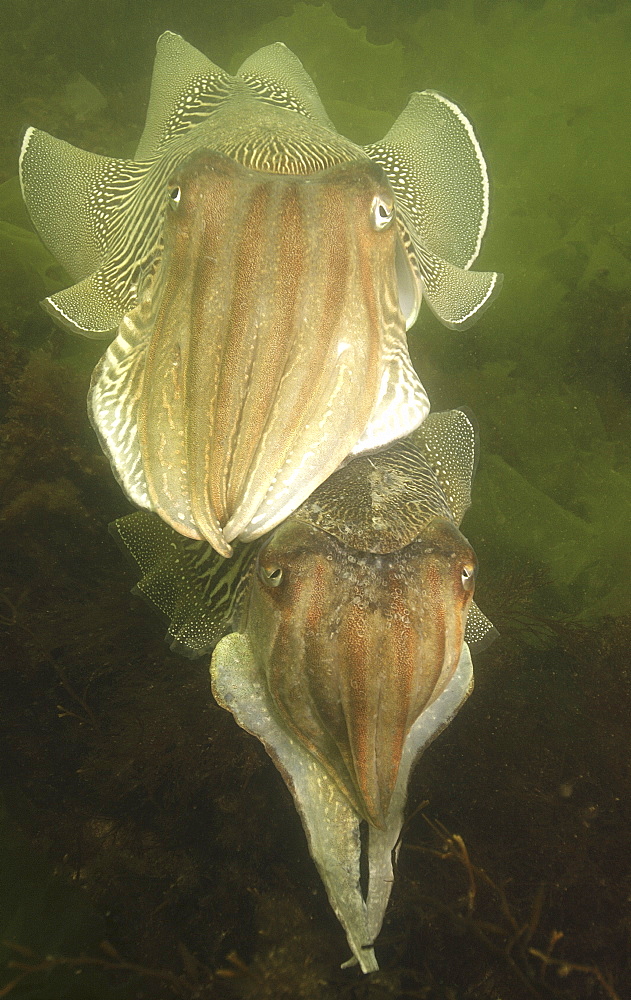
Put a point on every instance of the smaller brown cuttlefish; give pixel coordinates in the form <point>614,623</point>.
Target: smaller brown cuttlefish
<point>257,272</point>
<point>342,641</point>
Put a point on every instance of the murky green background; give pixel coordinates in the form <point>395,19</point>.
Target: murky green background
<point>120,775</point>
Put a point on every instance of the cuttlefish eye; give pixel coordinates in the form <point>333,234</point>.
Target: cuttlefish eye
<point>271,575</point>
<point>382,212</point>
<point>174,196</point>
<point>468,575</point>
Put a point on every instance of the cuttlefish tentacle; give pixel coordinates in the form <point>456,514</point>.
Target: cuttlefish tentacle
<point>261,271</point>
<point>341,641</point>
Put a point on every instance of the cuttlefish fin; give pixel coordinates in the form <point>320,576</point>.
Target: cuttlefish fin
<point>438,173</point>
<point>91,308</point>
<point>185,88</point>
<point>58,181</point>
<point>276,75</point>
<point>198,590</point>
<point>331,824</point>
<point>449,440</point>
<point>479,632</point>
<point>75,200</point>
<point>456,297</point>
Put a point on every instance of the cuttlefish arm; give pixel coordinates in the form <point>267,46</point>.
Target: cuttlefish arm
<point>392,519</point>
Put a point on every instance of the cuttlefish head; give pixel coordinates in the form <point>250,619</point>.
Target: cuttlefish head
<point>356,645</point>
<point>276,296</point>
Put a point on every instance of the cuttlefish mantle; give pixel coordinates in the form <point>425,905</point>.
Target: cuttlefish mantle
<point>341,640</point>
<point>259,272</point>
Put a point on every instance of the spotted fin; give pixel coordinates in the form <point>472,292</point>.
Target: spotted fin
<point>185,87</point>
<point>479,632</point>
<point>456,297</point>
<point>70,195</point>
<point>276,75</point>
<point>382,502</point>
<point>450,442</point>
<point>437,171</point>
<point>197,590</point>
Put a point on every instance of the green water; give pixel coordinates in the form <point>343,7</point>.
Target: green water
<point>177,830</point>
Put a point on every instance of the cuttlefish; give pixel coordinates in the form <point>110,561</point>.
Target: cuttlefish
<point>342,641</point>
<point>258,272</point>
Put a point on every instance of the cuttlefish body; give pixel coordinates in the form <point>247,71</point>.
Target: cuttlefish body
<point>342,641</point>
<point>259,271</point>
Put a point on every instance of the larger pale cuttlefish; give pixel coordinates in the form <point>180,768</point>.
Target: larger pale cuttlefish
<point>259,271</point>
<point>341,640</point>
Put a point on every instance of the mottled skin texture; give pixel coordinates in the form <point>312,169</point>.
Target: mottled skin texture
<point>355,644</point>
